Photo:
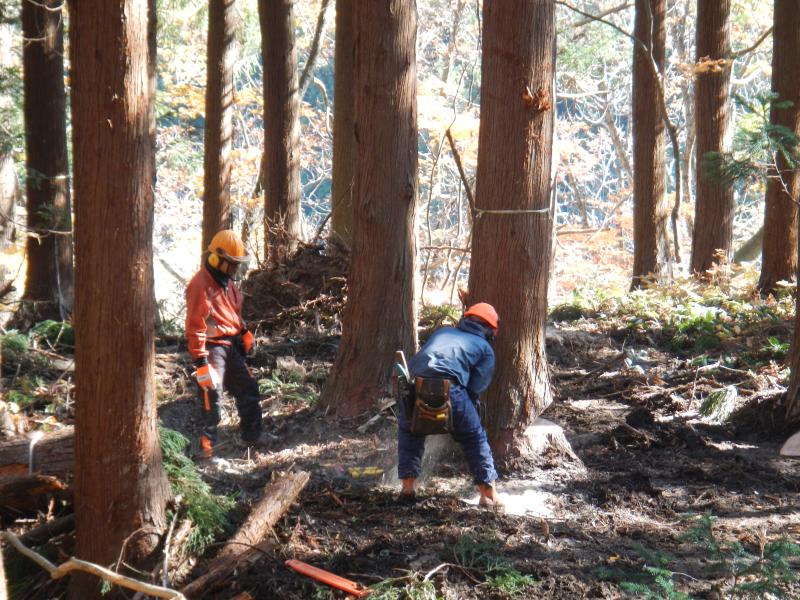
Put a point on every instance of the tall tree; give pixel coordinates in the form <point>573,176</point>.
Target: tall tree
<point>783,187</point>
<point>219,118</point>
<point>779,250</point>
<point>344,141</point>
<point>511,241</point>
<point>651,209</point>
<point>49,245</point>
<point>120,487</point>
<point>281,135</point>
<point>715,206</point>
<point>380,315</point>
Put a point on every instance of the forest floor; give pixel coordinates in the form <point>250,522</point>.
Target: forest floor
<point>661,492</point>
<point>647,472</point>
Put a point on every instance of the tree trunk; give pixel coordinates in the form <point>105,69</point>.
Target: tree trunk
<point>120,486</point>
<point>219,119</point>
<point>651,207</point>
<point>8,200</point>
<point>786,83</point>
<point>452,41</point>
<point>511,253</point>
<point>344,141</point>
<point>779,253</point>
<point>715,206</point>
<point>281,135</point>
<point>49,252</point>
<point>380,315</point>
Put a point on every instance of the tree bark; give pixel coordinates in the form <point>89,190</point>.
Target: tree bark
<point>344,141</point>
<point>8,201</point>
<point>120,486</point>
<point>651,208</point>
<point>49,279</point>
<point>281,160</point>
<point>511,253</point>
<point>779,253</point>
<point>219,119</point>
<point>380,315</point>
<point>715,206</point>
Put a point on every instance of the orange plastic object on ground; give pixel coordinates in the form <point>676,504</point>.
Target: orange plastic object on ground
<point>328,578</point>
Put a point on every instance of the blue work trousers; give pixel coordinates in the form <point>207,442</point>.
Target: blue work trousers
<point>467,431</point>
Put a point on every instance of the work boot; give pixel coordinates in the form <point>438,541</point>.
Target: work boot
<point>206,447</point>
<point>489,498</point>
<point>409,489</point>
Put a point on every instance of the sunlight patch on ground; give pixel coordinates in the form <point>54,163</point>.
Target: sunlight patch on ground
<point>522,498</point>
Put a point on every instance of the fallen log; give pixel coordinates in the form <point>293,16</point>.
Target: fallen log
<point>45,532</point>
<point>244,546</point>
<point>46,453</point>
<point>26,493</point>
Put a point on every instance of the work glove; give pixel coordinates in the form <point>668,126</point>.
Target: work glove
<point>247,341</point>
<point>206,377</point>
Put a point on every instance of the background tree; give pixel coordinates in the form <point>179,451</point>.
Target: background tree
<point>715,206</point>
<point>511,252</point>
<point>651,209</point>
<point>50,273</point>
<point>281,161</point>
<point>219,119</point>
<point>120,487</point>
<point>783,187</point>
<point>380,315</point>
<point>9,83</point>
<point>344,141</point>
<point>779,249</point>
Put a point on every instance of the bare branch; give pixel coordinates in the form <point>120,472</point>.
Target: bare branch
<point>313,53</point>
<point>758,42</point>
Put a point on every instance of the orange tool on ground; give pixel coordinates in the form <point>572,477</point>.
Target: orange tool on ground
<point>328,578</point>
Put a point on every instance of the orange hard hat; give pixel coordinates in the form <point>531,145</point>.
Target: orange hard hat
<point>228,245</point>
<point>484,311</point>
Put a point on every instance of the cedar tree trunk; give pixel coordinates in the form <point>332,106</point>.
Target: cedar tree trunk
<point>715,206</point>
<point>344,141</point>
<point>511,253</point>
<point>120,486</point>
<point>380,315</point>
<point>219,119</point>
<point>786,82</point>
<point>50,274</point>
<point>779,252</point>
<point>651,207</point>
<point>281,134</point>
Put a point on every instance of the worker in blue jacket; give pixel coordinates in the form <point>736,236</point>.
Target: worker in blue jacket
<point>464,356</point>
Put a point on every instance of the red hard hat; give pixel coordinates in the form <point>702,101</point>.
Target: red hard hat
<point>484,311</point>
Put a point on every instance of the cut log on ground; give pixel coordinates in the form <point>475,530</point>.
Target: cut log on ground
<point>45,532</point>
<point>27,493</point>
<point>244,546</point>
<point>52,454</point>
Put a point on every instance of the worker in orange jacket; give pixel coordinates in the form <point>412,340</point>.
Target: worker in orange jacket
<point>219,340</point>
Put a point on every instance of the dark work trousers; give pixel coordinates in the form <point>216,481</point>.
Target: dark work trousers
<point>228,363</point>
<point>467,431</point>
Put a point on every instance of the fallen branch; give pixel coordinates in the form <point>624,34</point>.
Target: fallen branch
<point>50,454</point>
<point>22,491</point>
<point>75,564</point>
<point>42,534</point>
<point>244,546</point>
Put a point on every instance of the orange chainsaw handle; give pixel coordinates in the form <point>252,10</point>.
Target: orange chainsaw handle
<point>328,578</point>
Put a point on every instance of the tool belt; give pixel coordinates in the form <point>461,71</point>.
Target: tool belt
<point>431,412</point>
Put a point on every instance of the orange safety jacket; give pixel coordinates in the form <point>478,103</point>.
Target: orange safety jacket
<point>213,313</point>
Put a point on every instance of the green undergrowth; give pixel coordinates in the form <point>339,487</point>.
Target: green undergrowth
<point>292,386</point>
<point>206,510</point>
<point>690,315</point>
<point>762,569</point>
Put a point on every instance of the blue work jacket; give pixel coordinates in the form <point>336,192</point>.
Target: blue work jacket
<point>462,354</point>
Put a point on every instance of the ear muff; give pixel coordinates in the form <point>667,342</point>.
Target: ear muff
<point>213,260</point>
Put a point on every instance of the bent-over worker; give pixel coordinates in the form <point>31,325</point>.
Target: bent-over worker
<point>463,356</point>
<point>218,341</point>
